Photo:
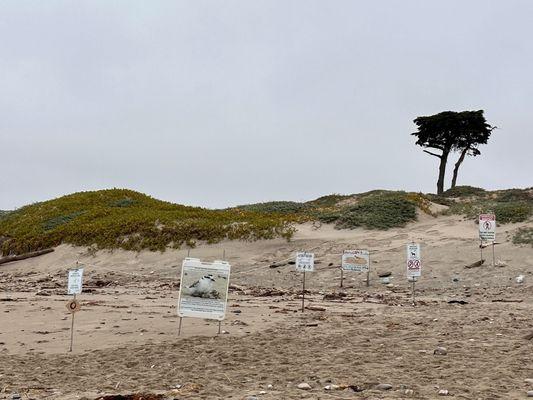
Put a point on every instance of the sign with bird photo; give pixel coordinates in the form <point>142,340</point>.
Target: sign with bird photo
<point>203,289</point>
<point>355,260</point>
<point>487,227</point>
<point>305,262</point>
<point>414,262</point>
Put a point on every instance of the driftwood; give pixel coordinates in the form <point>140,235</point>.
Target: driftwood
<point>507,301</point>
<point>483,245</point>
<point>24,256</point>
<point>476,264</point>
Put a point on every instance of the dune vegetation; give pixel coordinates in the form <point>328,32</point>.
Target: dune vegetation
<point>120,218</point>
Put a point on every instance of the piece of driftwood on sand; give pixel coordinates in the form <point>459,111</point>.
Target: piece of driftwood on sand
<point>476,264</point>
<point>25,256</point>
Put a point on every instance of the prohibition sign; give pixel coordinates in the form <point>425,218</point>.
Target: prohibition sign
<point>73,306</point>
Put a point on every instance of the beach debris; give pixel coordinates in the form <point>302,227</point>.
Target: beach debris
<point>530,381</point>
<point>519,279</point>
<point>443,392</point>
<point>478,263</point>
<point>500,264</point>
<point>384,274</point>
<point>270,386</point>
<point>409,392</point>
<point>440,351</point>
<point>15,396</point>
<point>334,296</point>
<point>25,256</point>
<point>462,302</point>
<point>332,387</point>
<point>315,308</point>
<point>251,398</point>
<point>383,386</point>
<point>529,393</point>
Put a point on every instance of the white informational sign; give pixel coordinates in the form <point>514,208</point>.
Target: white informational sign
<point>75,279</point>
<point>487,227</point>
<point>414,262</point>
<point>203,289</point>
<point>356,260</point>
<point>305,262</point>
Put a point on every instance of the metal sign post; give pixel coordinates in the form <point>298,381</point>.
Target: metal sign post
<point>303,293</point>
<point>414,266</point>
<point>368,272</point>
<point>342,275</point>
<point>179,326</point>
<point>305,262</point>
<point>75,284</point>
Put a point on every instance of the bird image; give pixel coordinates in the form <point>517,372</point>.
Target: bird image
<point>203,287</point>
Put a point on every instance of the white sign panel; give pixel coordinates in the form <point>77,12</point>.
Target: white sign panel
<point>487,227</point>
<point>203,289</point>
<point>414,262</point>
<point>356,260</point>
<point>75,278</point>
<point>305,262</point>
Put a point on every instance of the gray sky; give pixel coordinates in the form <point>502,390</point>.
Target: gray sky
<point>217,103</point>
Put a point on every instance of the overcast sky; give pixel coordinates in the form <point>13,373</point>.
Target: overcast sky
<point>218,103</point>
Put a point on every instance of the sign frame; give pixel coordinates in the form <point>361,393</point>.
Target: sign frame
<point>203,306</point>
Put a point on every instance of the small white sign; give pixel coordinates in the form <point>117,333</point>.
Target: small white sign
<point>75,280</point>
<point>487,227</point>
<point>356,260</point>
<point>203,289</point>
<point>414,262</point>
<point>305,262</point>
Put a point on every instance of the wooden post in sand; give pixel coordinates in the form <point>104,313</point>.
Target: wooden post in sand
<point>342,275</point>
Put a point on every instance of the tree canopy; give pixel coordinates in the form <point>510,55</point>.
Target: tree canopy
<point>452,131</point>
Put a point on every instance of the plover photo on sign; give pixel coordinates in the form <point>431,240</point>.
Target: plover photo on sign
<point>202,286</point>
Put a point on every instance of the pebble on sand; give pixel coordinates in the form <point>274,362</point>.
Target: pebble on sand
<point>440,351</point>
<point>384,386</point>
<point>530,393</point>
<point>304,386</point>
<point>443,392</point>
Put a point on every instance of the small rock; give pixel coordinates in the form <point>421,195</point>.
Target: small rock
<point>332,387</point>
<point>519,279</point>
<point>304,386</point>
<point>440,351</point>
<point>443,392</point>
<point>530,393</point>
<point>384,386</point>
<point>530,381</point>
<point>251,398</point>
<point>269,386</point>
<point>500,263</point>
<point>409,392</point>
<point>15,396</point>
<point>263,392</point>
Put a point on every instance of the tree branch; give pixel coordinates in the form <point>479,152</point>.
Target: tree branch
<point>433,154</point>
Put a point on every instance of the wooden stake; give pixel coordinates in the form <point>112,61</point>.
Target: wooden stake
<point>179,326</point>
<point>72,329</point>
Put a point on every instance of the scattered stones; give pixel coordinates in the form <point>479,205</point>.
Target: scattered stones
<point>383,386</point>
<point>304,386</point>
<point>440,351</point>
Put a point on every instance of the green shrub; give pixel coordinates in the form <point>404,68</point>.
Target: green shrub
<point>381,211</point>
<point>523,236</point>
<point>512,212</point>
<point>281,207</point>
<point>464,191</point>
<point>513,195</point>
<point>104,219</point>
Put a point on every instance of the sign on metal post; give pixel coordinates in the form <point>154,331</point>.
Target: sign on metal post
<point>487,227</point>
<point>75,281</point>
<point>203,289</point>
<point>305,262</point>
<point>414,262</point>
<point>414,265</point>
<point>74,286</point>
<point>356,260</point>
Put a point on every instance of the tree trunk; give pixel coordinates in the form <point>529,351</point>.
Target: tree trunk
<point>457,165</point>
<point>442,172</point>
